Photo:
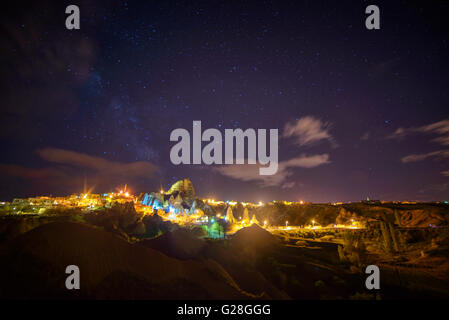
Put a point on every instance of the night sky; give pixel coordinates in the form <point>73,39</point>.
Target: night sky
<point>360,113</point>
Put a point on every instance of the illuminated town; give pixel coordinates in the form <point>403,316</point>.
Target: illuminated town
<point>183,226</point>
<point>171,206</point>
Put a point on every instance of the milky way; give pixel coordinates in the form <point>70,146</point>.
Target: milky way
<point>340,95</point>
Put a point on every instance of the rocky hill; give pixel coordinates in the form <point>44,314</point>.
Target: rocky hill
<point>110,268</point>
<point>185,189</point>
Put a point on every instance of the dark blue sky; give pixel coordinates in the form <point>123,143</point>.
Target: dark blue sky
<point>99,103</point>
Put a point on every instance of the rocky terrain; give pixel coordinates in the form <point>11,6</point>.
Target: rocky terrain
<point>127,254</point>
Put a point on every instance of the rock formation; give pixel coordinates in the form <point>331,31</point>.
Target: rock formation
<point>229,216</point>
<point>184,189</point>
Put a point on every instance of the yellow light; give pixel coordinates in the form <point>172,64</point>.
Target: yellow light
<point>127,194</point>
<point>84,196</point>
<point>121,191</point>
<point>265,223</point>
<point>260,203</point>
<point>301,202</point>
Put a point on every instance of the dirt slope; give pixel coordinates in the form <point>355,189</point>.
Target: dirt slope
<point>33,265</point>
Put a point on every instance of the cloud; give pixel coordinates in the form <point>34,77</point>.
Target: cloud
<point>444,140</point>
<point>440,128</point>
<point>305,161</point>
<point>288,185</point>
<point>250,172</point>
<point>309,130</point>
<point>30,173</point>
<point>399,133</point>
<point>97,164</point>
<point>423,156</point>
<point>71,168</point>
